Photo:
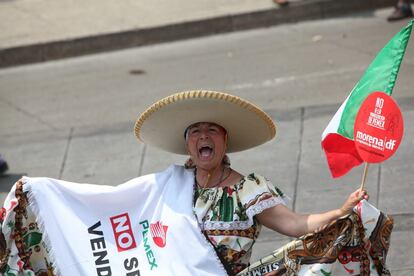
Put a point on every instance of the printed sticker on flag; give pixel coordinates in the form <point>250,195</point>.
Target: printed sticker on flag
<point>378,128</point>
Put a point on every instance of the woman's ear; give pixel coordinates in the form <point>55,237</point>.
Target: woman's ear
<point>186,148</point>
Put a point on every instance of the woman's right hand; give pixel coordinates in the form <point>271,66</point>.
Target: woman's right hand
<point>353,199</point>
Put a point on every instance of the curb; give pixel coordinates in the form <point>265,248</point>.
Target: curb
<point>296,11</point>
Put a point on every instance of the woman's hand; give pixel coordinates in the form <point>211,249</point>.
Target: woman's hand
<point>353,199</point>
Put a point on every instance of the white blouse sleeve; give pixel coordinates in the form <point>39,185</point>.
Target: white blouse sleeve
<point>258,194</point>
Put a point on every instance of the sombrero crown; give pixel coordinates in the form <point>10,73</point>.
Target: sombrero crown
<point>163,123</point>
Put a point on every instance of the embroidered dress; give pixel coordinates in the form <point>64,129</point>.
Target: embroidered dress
<point>227,215</point>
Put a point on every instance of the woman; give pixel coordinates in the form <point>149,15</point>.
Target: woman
<point>230,207</point>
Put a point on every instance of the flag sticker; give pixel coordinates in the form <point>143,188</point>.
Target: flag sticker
<point>378,128</point>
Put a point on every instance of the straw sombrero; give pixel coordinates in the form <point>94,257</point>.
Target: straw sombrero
<point>163,123</point>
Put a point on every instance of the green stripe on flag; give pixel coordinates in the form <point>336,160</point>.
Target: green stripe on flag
<point>379,76</point>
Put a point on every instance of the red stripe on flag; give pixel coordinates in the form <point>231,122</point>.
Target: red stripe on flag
<point>341,154</point>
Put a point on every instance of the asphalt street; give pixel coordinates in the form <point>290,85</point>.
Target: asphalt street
<point>73,119</point>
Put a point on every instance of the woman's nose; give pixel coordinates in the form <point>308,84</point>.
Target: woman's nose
<point>204,134</point>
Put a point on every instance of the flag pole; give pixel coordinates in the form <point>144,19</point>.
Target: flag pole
<point>364,176</point>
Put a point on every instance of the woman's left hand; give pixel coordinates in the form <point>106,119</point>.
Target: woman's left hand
<point>353,199</point>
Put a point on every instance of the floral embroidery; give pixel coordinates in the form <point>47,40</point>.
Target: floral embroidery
<point>227,215</point>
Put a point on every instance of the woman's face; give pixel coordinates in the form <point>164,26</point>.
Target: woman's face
<point>206,144</point>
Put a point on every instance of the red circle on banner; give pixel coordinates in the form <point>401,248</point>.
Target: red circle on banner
<point>378,128</point>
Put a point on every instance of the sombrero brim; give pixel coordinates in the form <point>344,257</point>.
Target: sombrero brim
<point>163,124</point>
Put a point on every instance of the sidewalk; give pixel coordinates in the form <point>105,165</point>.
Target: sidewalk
<point>39,30</point>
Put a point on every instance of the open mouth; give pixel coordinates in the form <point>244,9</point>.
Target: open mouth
<point>205,152</point>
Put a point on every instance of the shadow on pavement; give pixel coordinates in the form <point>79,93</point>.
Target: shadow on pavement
<point>7,181</point>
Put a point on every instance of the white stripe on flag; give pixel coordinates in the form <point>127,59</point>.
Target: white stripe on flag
<point>335,121</point>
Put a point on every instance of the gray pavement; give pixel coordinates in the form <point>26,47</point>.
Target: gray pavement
<point>73,119</point>
<point>39,30</point>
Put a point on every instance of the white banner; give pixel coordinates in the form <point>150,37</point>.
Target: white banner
<point>145,226</point>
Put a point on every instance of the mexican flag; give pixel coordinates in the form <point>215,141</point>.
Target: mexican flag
<point>337,139</point>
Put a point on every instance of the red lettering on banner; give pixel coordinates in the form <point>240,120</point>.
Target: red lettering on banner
<point>124,236</point>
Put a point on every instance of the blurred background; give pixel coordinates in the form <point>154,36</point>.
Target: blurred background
<point>74,76</point>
